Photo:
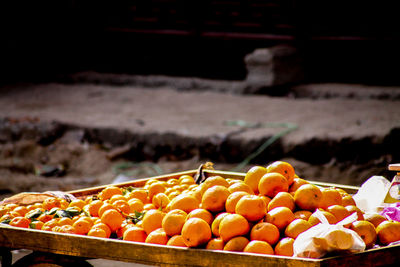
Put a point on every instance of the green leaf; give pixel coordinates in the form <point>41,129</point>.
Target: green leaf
<point>34,214</point>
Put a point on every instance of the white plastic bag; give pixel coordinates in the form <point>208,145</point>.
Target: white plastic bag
<point>324,238</point>
<point>371,194</point>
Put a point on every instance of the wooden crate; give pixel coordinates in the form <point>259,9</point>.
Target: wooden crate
<point>113,249</point>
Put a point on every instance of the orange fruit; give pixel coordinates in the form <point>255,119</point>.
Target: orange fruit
<point>215,244</point>
<point>354,208</point>
<point>202,214</point>
<point>113,219</point>
<point>214,198</point>
<point>308,197</point>
<point>217,221</point>
<point>253,176</point>
<point>173,222</point>
<point>78,203</point>
<point>302,214</point>
<point>237,243</point>
<point>93,207</point>
<point>82,226</point>
<point>117,197</point>
<point>36,225</point>
<point>4,210</point>
<point>135,204</point>
<point>104,207</point>
<point>104,227</point>
<point>251,207</point>
<point>313,220</point>
<point>196,232</point>
<point>338,211</point>
<point>265,231</point>
<point>177,241</point>
<point>51,202</point>
<point>330,196</point>
<point>348,200</point>
<point>240,186</point>
<point>187,180</point>
<point>184,202</point>
<point>366,231</point>
<point>45,217</point>
<point>148,206</point>
<point>231,201</point>
<point>49,225</point>
<point>266,199</point>
<point>388,232</point>
<point>97,232</point>
<point>141,194</point>
<point>160,200</point>
<point>259,247</point>
<point>297,227</point>
<point>272,183</point>
<point>374,218</point>
<point>297,182</point>
<point>122,206</point>
<point>21,210</point>
<point>212,181</point>
<point>65,229</point>
<point>283,168</point>
<point>65,221</point>
<point>134,233</point>
<point>233,225</point>
<point>124,226</point>
<point>280,217</point>
<point>20,222</point>
<point>156,188</point>
<point>152,220</point>
<point>158,236</point>
<point>173,181</point>
<point>284,247</point>
<point>282,199</point>
<point>109,191</point>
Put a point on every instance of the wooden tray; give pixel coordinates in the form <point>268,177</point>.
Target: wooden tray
<point>112,249</point>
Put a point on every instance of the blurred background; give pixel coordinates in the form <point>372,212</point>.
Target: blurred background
<point>314,83</point>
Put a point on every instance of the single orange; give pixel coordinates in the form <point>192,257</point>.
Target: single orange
<point>36,225</point>
<point>308,197</point>
<point>97,232</point>
<point>284,247</point>
<point>265,232</point>
<point>259,247</point>
<point>330,196</point>
<point>104,207</point>
<point>282,199</point>
<point>51,202</point>
<point>374,218</point>
<point>283,168</point>
<point>237,243</point>
<point>184,202</point>
<point>366,231</point>
<point>93,207</point>
<point>338,211</point>
<point>196,232</point>
<point>251,207</point>
<point>212,181</point>
<point>202,214</point>
<point>152,220</point>
<point>215,244</point>
<point>354,208</point>
<point>160,200</point>
<point>109,191</point>
<point>348,200</point>
<point>253,176</point>
<point>113,219</point>
<point>240,186</point>
<point>214,198</point>
<point>173,222</point>
<point>135,205</point>
<point>141,194</point>
<point>134,233</point>
<point>78,203</point>
<point>280,217</point>
<point>388,232</point>
<point>82,226</point>
<point>158,236</point>
<point>177,241</point>
<point>122,206</point>
<point>297,227</point>
<point>156,188</point>
<point>233,225</point>
<point>272,183</point>
<point>104,227</point>
<point>21,210</point>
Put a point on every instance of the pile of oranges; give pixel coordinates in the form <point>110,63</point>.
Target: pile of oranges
<point>264,214</point>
